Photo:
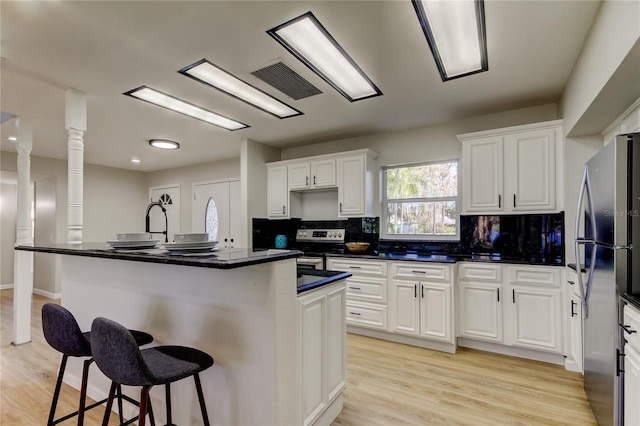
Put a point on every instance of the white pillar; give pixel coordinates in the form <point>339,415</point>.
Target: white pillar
<point>23,260</point>
<point>76,124</point>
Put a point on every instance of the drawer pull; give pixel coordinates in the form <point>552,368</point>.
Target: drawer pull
<point>354,288</point>
<point>627,329</point>
<point>419,272</point>
<point>571,282</point>
<point>355,267</point>
<point>355,313</point>
<point>573,312</point>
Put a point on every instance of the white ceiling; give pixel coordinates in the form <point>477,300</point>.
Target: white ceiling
<point>105,48</point>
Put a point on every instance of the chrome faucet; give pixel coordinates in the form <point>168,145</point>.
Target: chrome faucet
<point>147,223</point>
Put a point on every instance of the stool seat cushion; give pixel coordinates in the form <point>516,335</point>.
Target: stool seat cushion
<point>171,363</point>
<point>120,359</point>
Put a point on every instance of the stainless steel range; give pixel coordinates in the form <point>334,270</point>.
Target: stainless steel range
<point>315,243</point>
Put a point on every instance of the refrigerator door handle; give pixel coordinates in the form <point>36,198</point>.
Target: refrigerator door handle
<point>578,239</point>
<point>585,288</point>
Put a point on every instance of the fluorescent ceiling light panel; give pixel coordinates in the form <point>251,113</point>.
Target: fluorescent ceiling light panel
<point>166,101</point>
<point>310,42</point>
<point>214,76</point>
<point>455,31</point>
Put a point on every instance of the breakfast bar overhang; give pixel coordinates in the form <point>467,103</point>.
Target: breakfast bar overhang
<point>241,306</point>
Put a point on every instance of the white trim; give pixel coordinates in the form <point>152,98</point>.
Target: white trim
<point>209,182</point>
<point>6,286</point>
<point>622,116</point>
<point>399,338</point>
<point>512,129</point>
<point>47,294</point>
<point>167,186</point>
<point>511,351</point>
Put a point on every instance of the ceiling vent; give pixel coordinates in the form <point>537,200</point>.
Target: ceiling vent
<point>287,81</point>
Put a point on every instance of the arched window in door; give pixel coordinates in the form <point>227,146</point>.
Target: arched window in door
<point>211,220</point>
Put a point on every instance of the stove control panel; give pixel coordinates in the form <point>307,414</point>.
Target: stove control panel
<point>321,235</point>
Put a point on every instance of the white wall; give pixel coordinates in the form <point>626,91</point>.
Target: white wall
<point>8,208</point>
<point>613,37</point>
<point>253,181</point>
<point>45,279</point>
<point>186,177</point>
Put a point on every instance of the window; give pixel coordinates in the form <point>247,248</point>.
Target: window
<point>421,201</point>
<point>211,220</point>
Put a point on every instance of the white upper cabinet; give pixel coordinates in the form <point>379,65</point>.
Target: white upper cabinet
<point>513,170</point>
<point>277,192</point>
<point>312,175</point>
<point>355,185</point>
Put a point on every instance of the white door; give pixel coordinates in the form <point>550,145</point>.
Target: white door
<point>435,311</point>
<point>537,319</point>
<point>169,196</point>
<point>351,175</point>
<point>299,176</point>
<point>482,173</point>
<point>323,173</point>
<point>212,211</point>
<point>277,192</point>
<point>480,311</point>
<point>404,309</point>
<point>631,386</point>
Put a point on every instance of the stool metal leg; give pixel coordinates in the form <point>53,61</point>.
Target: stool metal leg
<point>167,398</point>
<point>83,391</point>
<point>203,407</point>
<point>56,393</point>
<point>107,411</point>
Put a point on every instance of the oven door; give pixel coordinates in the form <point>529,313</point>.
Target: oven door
<point>309,262</point>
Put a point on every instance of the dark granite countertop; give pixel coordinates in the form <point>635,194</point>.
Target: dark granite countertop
<point>220,259</point>
<point>443,258</point>
<point>310,279</point>
<point>633,299</point>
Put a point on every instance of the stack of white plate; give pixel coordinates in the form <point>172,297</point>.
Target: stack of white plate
<point>191,247</point>
<point>132,244</point>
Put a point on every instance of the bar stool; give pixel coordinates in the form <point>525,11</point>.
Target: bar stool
<point>62,332</point>
<point>118,356</point>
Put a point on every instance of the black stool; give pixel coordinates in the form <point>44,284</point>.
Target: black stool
<point>118,356</point>
<point>62,332</point>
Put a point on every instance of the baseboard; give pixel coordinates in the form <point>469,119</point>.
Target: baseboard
<point>47,294</point>
<point>6,286</point>
<point>512,351</point>
<point>407,340</point>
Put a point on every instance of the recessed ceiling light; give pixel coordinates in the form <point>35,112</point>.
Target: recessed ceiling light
<point>135,160</point>
<point>164,144</point>
<point>178,105</point>
<point>214,76</point>
<point>456,34</point>
<point>12,138</point>
<point>310,42</point>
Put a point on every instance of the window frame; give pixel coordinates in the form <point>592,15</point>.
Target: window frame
<point>419,237</point>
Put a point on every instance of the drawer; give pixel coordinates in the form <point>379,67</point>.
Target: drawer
<point>480,272</point>
<point>367,315</point>
<point>631,319</point>
<point>541,276</point>
<point>367,289</point>
<point>358,267</point>
<point>419,271</point>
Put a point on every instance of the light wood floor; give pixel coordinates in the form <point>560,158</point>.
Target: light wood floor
<point>387,384</point>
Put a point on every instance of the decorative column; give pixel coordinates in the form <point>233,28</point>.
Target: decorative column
<point>76,124</point>
<point>23,260</point>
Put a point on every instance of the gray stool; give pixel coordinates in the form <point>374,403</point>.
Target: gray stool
<point>62,332</point>
<point>118,356</point>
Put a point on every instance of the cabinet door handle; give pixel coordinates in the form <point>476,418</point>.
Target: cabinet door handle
<point>415,290</point>
<point>514,200</point>
<point>571,282</point>
<point>355,313</point>
<point>354,267</point>
<point>354,288</point>
<point>619,362</point>
<point>573,312</point>
<point>422,291</point>
<point>283,210</point>
<point>307,180</point>
<point>513,295</point>
<point>627,329</point>
<point>314,180</point>
<point>498,294</point>
<point>499,201</point>
<point>340,207</point>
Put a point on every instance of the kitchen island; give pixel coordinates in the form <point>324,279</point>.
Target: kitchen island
<point>241,306</point>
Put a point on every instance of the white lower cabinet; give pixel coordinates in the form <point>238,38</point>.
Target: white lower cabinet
<point>631,322</point>
<point>322,334</point>
<point>573,318</point>
<point>366,291</point>
<point>420,301</point>
<point>514,305</point>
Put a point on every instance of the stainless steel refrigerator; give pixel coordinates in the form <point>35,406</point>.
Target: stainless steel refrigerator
<point>609,213</point>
